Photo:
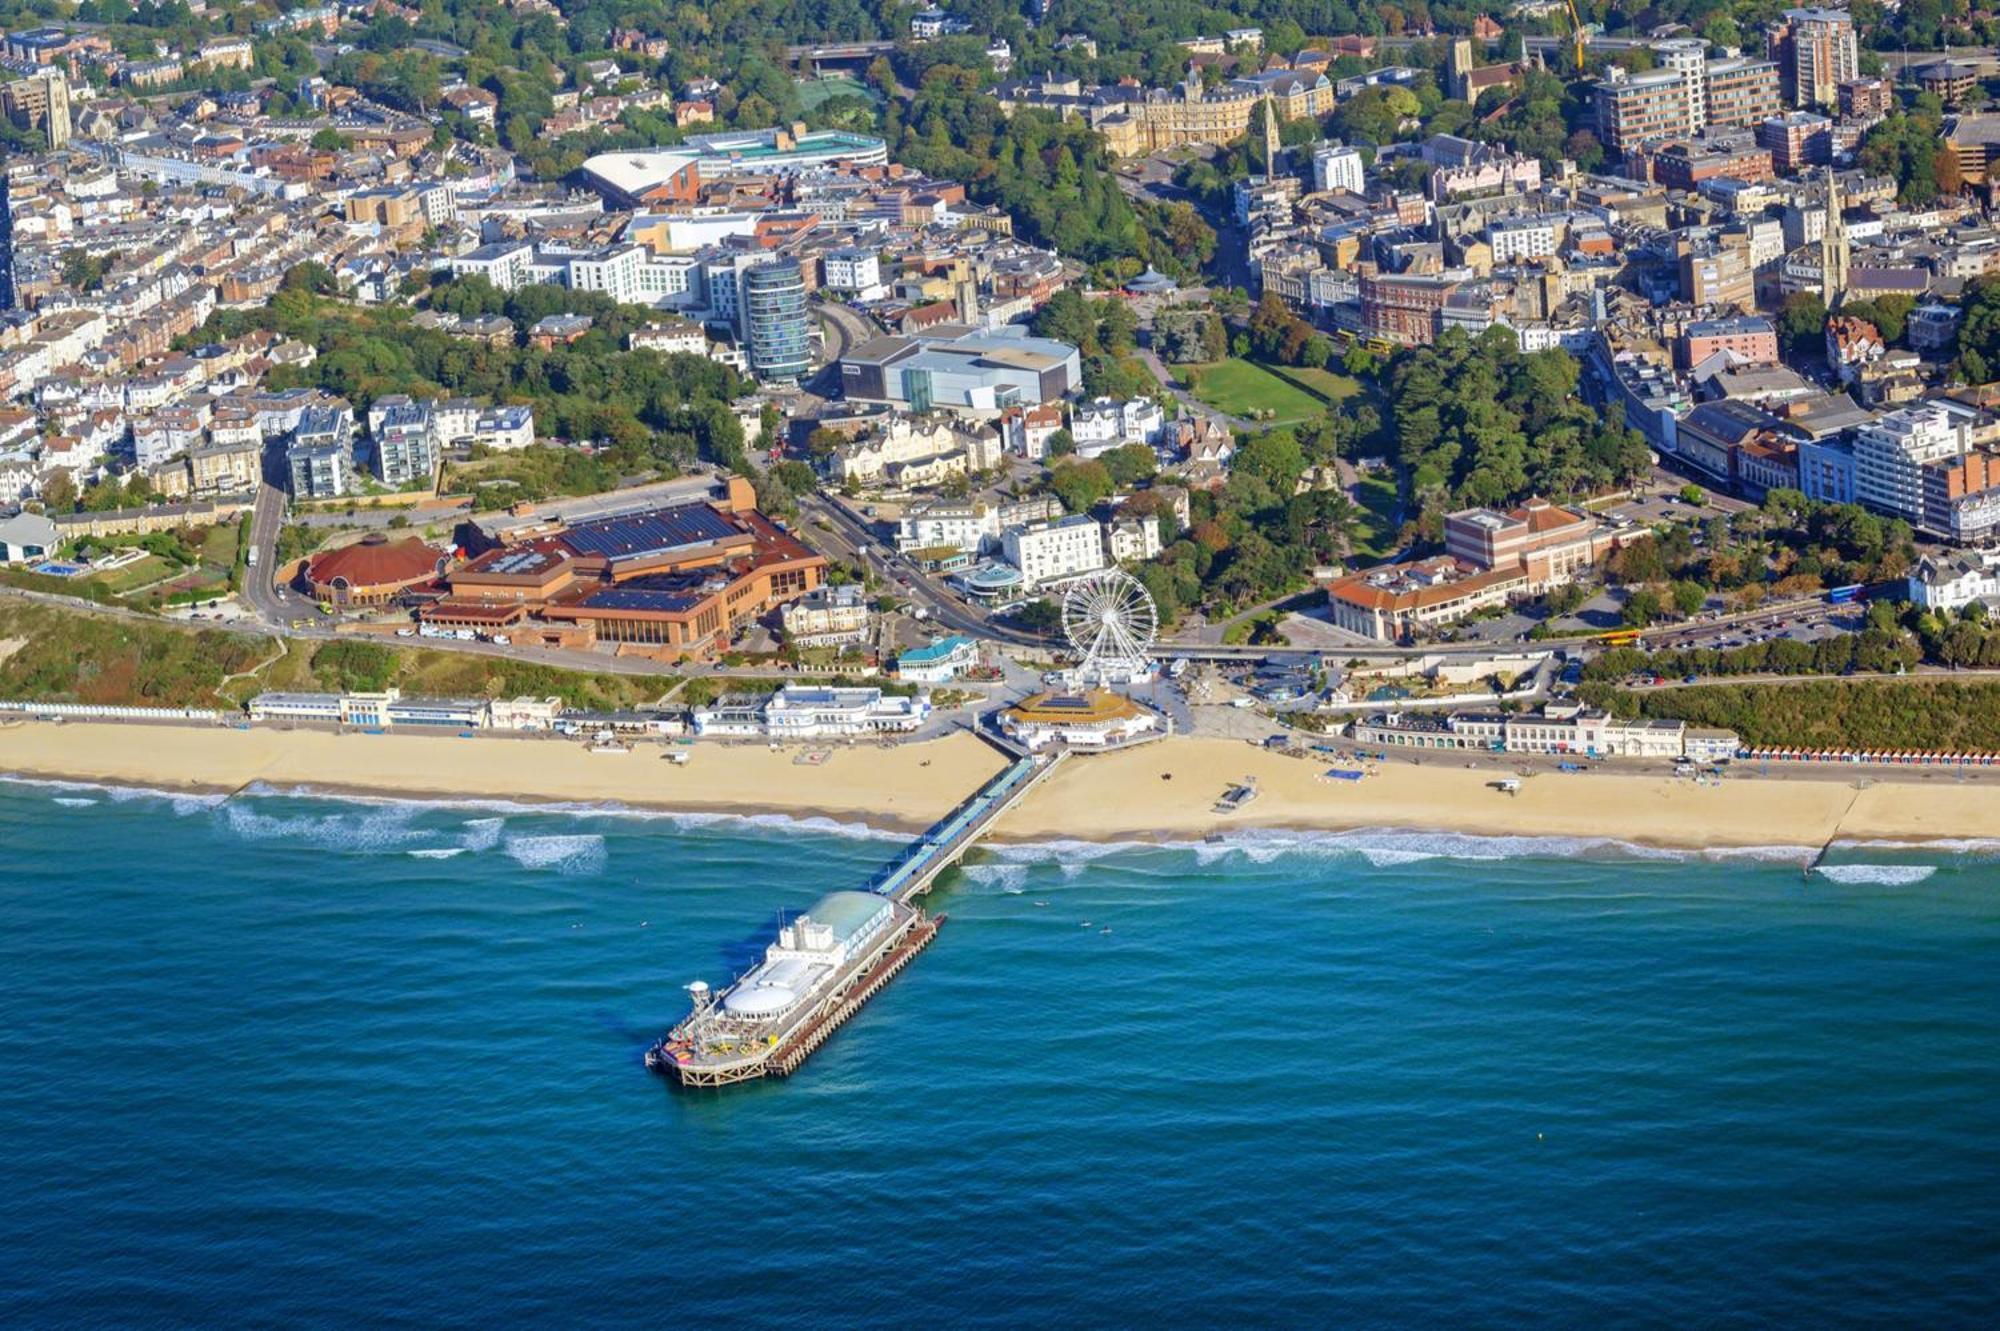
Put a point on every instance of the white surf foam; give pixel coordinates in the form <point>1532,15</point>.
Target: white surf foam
<point>1011,879</point>
<point>1387,847</point>
<point>1883,875</point>
<point>576,854</point>
<point>1974,845</point>
<point>180,801</point>
<point>687,818</point>
<point>380,828</point>
<point>437,852</point>
<point>481,833</point>
<point>75,801</point>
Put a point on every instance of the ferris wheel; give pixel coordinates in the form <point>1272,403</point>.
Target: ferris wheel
<point>1111,621</point>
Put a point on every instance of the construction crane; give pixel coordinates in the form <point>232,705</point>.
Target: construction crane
<point>1576,36</point>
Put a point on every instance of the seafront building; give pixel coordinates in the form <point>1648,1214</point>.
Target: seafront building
<point>1554,728</point>
<point>811,712</point>
<point>388,708</point>
<point>940,662</point>
<point>669,583</point>
<point>1099,719</point>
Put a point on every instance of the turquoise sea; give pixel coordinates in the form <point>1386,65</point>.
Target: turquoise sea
<point>286,1060</point>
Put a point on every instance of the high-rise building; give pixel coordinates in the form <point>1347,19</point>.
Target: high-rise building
<point>1815,51</point>
<point>1741,93</point>
<point>774,320</point>
<point>40,102</point>
<point>1890,456</point>
<point>405,441</point>
<point>1688,57</point>
<point>1338,168</point>
<point>1636,107</point>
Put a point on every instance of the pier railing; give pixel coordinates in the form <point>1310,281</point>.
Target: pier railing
<point>911,874</point>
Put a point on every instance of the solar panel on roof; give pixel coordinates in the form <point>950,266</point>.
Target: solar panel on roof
<point>648,533</point>
<point>639,598</point>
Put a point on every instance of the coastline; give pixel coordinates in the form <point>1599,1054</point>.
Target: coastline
<point>1100,798</point>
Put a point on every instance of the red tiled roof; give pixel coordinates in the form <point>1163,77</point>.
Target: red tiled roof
<point>376,561</point>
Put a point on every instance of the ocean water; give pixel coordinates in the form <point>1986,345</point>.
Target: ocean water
<point>289,1060</point>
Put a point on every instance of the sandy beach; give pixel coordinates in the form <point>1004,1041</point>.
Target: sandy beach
<point>1162,791</point>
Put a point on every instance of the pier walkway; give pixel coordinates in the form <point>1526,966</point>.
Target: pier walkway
<point>913,873</point>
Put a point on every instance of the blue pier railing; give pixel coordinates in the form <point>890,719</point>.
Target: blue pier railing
<point>943,838</point>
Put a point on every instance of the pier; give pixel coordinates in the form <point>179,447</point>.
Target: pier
<point>830,961</point>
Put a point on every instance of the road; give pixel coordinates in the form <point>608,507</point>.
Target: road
<point>844,329</point>
<point>946,610</point>
<point>265,522</point>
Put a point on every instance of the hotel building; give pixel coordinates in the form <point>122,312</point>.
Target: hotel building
<point>1492,557</point>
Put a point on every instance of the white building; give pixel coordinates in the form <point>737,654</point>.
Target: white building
<point>1026,430</point>
<point>1522,238</point>
<point>803,712</point>
<point>682,337</point>
<point>855,271</point>
<point>940,662</point>
<point>1105,423</point>
<point>1127,540</point>
<point>505,429</point>
<point>1337,167</point>
<point>404,438</point>
<point>908,452</point>
<point>1889,457</point>
<point>973,526</point>
<point>1554,728</point>
<point>1051,551</point>
<point>1952,582</point>
<point>25,537</point>
<point>614,271</point>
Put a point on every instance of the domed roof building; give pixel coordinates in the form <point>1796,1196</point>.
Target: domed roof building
<point>373,570</point>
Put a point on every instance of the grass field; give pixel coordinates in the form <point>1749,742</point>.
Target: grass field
<point>140,573</point>
<point>1240,388</point>
<point>1329,384</point>
<point>1377,493</point>
<point>218,547</point>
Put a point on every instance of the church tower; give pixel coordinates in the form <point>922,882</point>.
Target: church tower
<point>1271,148</point>
<point>1834,255</point>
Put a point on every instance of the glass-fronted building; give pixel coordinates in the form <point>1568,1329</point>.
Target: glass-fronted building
<point>774,318</point>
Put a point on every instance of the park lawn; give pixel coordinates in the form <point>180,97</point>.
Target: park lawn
<point>1239,388</point>
<point>1379,501</point>
<point>1329,384</point>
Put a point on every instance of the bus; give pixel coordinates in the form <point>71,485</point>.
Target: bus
<point>1620,638</point>
<point>1847,595</point>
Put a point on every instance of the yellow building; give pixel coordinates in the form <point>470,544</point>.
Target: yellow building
<point>1143,122</point>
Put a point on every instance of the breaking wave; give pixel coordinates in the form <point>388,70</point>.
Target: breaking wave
<point>1383,847</point>
<point>576,854</point>
<point>1882,875</point>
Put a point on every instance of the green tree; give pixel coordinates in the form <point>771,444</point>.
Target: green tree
<point>1802,323</point>
<point>1641,608</point>
<point>1080,485</point>
<point>1128,464</point>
